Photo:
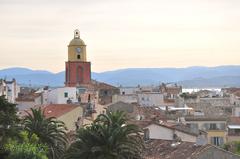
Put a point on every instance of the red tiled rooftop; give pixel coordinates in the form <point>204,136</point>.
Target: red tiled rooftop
<point>57,110</point>
<point>162,149</point>
<point>231,89</point>
<point>141,123</point>
<point>234,120</point>
<point>237,93</point>
<point>51,110</point>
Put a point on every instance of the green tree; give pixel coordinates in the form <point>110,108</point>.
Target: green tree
<point>8,121</point>
<point>108,137</point>
<point>233,147</point>
<point>25,147</point>
<point>50,131</point>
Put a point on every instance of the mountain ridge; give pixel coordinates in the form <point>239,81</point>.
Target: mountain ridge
<point>198,76</point>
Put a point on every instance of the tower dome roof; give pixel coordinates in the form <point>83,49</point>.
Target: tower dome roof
<point>76,40</point>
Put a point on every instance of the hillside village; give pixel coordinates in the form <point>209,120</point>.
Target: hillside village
<point>175,124</point>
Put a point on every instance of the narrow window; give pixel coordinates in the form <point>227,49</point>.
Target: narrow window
<point>65,94</point>
<point>78,56</point>
<point>105,92</point>
<point>89,98</point>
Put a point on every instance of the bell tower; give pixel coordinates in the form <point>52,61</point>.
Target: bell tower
<point>78,70</point>
<point>77,48</point>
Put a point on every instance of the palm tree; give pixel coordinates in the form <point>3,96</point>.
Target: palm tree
<point>50,131</point>
<point>108,137</point>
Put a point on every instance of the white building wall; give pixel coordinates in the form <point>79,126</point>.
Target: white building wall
<point>45,97</point>
<point>52,96</point>
<point>159,132</point>
<point>10,90</point>
<point>129,90</point>
<point>150,99</point>
<point>3,89</point>
<point>57,96</point>
<point>186,137</point>
<point>13,93</point>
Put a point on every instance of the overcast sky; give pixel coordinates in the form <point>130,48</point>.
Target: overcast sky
<point>120,33</point>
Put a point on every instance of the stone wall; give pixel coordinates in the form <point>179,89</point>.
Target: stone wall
<point>222,102</point>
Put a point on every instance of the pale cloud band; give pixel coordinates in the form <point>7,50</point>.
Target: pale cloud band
<point>119,34</point>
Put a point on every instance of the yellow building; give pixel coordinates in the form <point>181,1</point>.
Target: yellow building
<point>215,128</point>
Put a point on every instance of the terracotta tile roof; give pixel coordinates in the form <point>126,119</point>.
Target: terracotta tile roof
<point>141,123</point>
<point>151,113</point>
<point>163,149</point>
<point>57,110</point>
<point>28,97</point>
<point>194,118</point>
<point>231,90</point>
<point>237,93</point>
<point>121,106</point>
<point>101,85</point>
<point>95,85</point>
<point>234,121</point>
<point>169,102</point>
<point>51,110</point>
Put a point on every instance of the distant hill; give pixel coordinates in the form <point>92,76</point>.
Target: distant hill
<point>221,76</point>
<point>216,82</point>
<point>21,71</point>
<point>189,77</point>
<point>25,76</point>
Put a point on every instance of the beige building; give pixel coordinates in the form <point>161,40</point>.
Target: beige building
<point>70,114</point>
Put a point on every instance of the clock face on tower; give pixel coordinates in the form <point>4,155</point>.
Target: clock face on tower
<point>78,50</point>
